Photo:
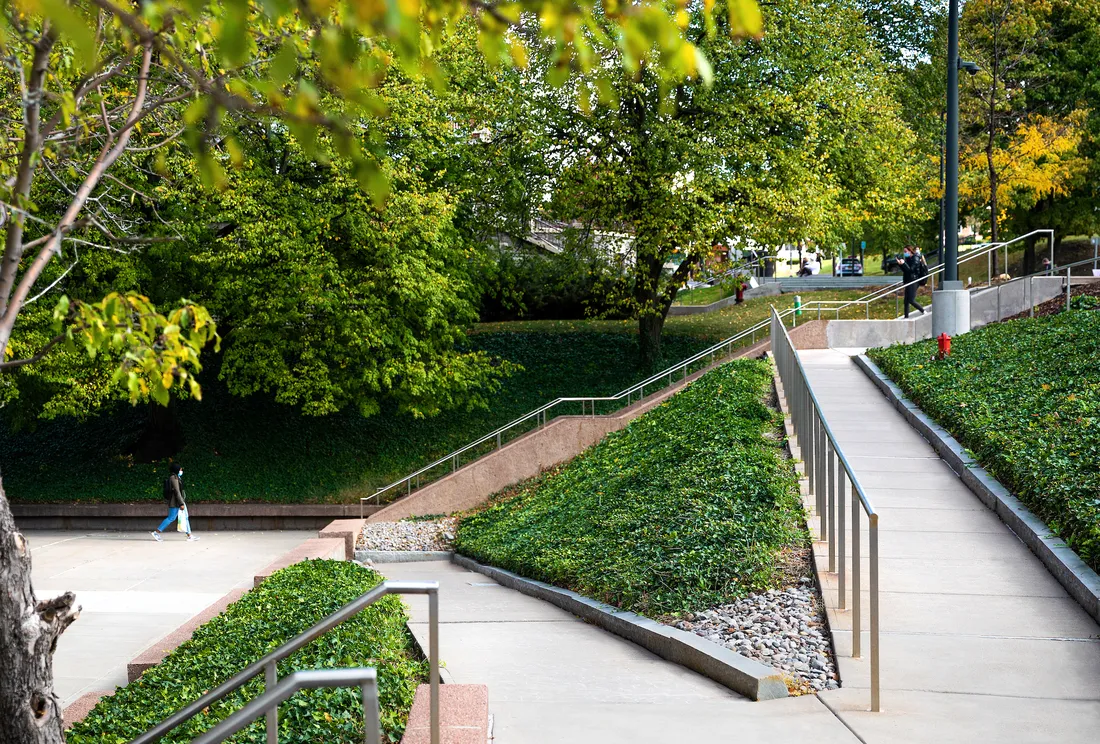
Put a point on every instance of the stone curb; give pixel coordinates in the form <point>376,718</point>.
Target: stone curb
<point>402,556</point>
<point>1082,583</point>
<point>745,676</point>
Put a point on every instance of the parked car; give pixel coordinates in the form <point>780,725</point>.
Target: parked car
<point>890,263</point>
<point>850,266</point>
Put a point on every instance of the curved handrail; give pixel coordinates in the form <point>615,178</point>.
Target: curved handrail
<point>363,677</point>
<point>345,613</point>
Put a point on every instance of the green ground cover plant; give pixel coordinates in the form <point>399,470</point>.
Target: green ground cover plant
<point>1024,397</point>
<point>287,603</point>
<point>689,505</point>
<point>251,449</point>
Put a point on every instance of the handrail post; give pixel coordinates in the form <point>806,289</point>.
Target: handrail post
<point>271,678</point>
<point>857,600</point>
<point>875,701</point>
<point>840,535</point>
<point>433,662</point>
<point>831,455</point>
<point>1069,281</point>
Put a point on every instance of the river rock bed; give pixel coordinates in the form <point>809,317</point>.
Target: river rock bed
<point>428,535</point>
<point>783,628</point>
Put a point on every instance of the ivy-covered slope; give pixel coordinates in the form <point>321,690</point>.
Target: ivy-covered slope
<point>251,449</point>
<point>287,603</point>
<point>1024,397</point>
<point>688,506</point>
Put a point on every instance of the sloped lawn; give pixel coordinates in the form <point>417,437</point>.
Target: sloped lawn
<point>690,505</point>
<point>1024,397</point>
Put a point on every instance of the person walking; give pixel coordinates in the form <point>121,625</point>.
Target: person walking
<point>910,272</point>
<point>174,498</point>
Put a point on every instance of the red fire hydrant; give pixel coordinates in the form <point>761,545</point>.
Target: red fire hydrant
<point>944,346</point>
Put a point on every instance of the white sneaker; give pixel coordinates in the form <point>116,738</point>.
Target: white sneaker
<point>192,538</point>
<point>157,537</point>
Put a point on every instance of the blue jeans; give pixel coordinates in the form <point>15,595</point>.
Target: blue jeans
<point>172,514</point>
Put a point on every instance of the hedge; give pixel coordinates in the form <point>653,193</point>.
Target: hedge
<point>287,603</point>
<point>687,507</point>
<point>1024,397</point>
<point>252,449</point>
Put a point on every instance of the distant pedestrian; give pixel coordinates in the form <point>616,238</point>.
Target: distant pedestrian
<point>174,498</point>
<point>910,272</point>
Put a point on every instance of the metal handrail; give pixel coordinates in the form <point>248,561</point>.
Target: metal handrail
<point>362,677</point>
<point>679,370</point>
<point>1050,272</point>
<point>821,454</point>
<point>539,415</point>
<point>267,664</point>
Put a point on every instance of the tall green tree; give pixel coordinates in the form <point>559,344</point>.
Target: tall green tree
<point>790,141</point>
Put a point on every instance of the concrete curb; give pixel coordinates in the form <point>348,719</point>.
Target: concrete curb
<point>402,556</point>
<point>745,676</point>
<point>1082,583</point>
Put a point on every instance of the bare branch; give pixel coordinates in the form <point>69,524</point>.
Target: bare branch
<point>39,355</point>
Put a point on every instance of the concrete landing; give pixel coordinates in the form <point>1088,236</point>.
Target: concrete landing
<point>134,590</point>
<point>553,678</point>
<point>979,642</point>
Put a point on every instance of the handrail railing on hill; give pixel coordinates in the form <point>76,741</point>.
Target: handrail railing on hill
<point>1053,271</point>
<point>538,417</point>
<point>268,663</point>
<point>826,468</point>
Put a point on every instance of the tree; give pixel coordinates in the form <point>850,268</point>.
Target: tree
<point>95,81</point>
<point>791,141</point>
<point>1002,36</point>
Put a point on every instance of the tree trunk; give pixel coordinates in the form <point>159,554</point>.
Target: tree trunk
<point>1029,256</point>
<point>30,712</point>
<point>992,169</point>
<point>650,326</point>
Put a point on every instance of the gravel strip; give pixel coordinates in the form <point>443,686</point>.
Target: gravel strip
<point>785,629</point>
<point>429,535</point>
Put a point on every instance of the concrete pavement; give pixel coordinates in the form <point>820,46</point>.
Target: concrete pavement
<point>553,678</point>
<point>979,642</point>
<point>134,591</point>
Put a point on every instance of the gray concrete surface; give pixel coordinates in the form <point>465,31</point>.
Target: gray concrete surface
<point>134,591</point>
<point>979,641</point>
<point>553,678</point>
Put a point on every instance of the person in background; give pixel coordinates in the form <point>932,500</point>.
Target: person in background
<point>173,497</point>
<point>910,272</point>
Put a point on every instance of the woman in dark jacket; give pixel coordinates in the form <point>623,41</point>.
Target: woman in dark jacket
<point>910,273</point>
<point>173,497</point>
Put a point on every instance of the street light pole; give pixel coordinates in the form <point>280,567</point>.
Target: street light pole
<point>951,304</point>
<point>951,187</point>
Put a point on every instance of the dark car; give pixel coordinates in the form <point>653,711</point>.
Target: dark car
<point>850,266</point>
<point>890,263</point>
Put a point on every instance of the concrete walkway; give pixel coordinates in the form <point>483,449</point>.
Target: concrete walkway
<point>979,642</point>
<point>553,678</point>
<point>134,591</point>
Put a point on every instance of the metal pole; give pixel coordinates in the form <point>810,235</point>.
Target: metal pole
<point>271,678</point>
<point>875,702</point>
<point>433,662</point>
<point>951,191</point>
<point>820,454</point>
<point>856,599</point>
<point>840,535</point>
<point>372,722</point>
<point>832,508</point>
<point>1068,279</point>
